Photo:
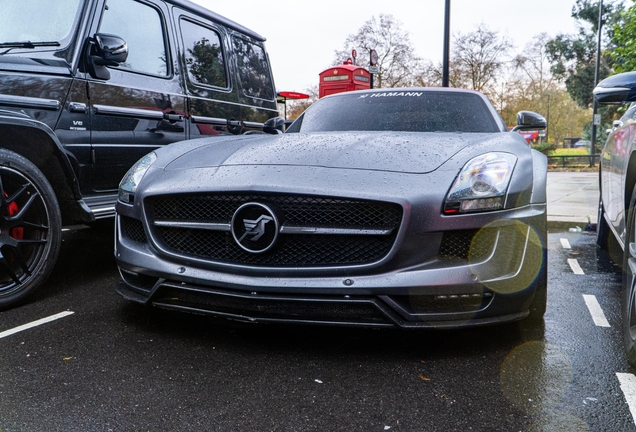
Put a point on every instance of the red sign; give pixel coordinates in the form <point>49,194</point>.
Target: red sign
<point>293,95</point>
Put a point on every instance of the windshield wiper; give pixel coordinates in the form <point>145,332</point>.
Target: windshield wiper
<point>26,44</point>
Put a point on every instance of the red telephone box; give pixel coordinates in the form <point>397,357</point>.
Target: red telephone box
<point>343,78</point>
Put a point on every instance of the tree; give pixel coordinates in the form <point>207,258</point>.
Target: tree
<point>533,64</point>
<point>624,55</point>
<point>295,107</point>
<point>396,61</point>
<point>478,59</point>
<point>529,84</point>
<point>573,57</point>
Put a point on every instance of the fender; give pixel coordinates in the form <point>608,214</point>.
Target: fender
<point>19,133</point>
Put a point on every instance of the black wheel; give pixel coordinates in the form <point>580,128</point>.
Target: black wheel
<point>540,299</point>
<point>30,228</point>
<point>629,283</point>
<point>532,327</point>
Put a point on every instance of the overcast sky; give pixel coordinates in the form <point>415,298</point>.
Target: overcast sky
<point>303,35</point>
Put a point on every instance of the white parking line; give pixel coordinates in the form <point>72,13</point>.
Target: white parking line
<point>574,265</point>
<point>34,324</point>
<point>628,386</point>
<point>565,244</point>
<point>595,310</point>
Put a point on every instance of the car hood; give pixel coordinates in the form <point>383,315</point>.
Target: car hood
<point>406,152</point>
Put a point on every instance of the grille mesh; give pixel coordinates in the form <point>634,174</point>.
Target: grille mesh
<point>297,210</point>
<point>132,229</point>
<point>465,244</point>
<point>291,250</point>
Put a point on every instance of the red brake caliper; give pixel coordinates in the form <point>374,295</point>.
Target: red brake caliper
<point>15,232</point>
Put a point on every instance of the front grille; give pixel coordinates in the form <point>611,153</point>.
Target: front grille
<point>291,249</point>
<point>132,229</point>
<point>467,244</point>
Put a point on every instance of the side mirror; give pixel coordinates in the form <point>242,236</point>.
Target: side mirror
<point>275,125</point>
<point>111,49</point>
<point>528,120</point>
<point>105,50</point>
<point>616,89</point>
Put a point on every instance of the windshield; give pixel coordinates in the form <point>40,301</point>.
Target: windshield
<point>401,110</point>
<point>38,21</point>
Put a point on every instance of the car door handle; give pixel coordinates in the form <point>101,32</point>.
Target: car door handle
<point>78,107</point>
<point>172,117</point>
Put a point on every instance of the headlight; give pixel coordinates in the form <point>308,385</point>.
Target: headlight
<point>481,185</point>
<point>129,183</point>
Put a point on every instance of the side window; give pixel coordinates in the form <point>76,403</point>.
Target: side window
<point>141,27</point>
<point>256,79</point>
<point>630,114</point>
<point>203,55</point>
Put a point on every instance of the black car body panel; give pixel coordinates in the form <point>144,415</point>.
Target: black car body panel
<point>87,87</point>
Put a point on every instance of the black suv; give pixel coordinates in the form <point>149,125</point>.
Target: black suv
<point>87,87</point>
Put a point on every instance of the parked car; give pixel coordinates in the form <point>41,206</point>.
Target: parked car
<point>583,144</point>
<point>402,207</point>
<point>616,227</point>
<point>87,87</point>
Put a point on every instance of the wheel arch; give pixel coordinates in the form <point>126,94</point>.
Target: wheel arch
<point>540,177</point>
<point>38,143</point>
<point>630,180</point>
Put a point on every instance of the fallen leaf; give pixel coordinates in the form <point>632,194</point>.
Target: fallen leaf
<point>424,378</point>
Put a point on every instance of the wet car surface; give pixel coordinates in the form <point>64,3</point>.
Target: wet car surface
<point>408,208</point>
<point>113,365</point>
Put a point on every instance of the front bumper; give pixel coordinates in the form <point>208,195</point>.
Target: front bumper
<point>428,292</point>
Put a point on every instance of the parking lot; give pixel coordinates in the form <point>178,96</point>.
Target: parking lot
<point>101,363</point>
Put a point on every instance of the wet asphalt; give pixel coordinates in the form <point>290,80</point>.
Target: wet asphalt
<point>112,365</point>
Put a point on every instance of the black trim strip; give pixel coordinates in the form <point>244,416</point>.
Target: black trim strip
<point>128,112</point>
<point>209,120</point>
<point>283,230</point>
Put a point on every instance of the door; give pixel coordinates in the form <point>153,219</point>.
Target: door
<point>618,147</point>
<point>141,107</point>
<point>214,80</point>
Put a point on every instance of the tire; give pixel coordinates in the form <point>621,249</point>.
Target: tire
<point>628,297</point>
<point>30,228</point>
<point>532,327</point>
<point>602,229</point>
<point>540,299</point>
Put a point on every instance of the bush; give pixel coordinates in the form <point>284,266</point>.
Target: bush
<point>545,148</point>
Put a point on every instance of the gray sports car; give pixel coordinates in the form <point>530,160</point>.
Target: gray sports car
<point>401,207</point>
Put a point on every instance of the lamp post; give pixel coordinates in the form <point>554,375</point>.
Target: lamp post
<point>547,129</point>
<point>596,73</point>
<point>445,62</point>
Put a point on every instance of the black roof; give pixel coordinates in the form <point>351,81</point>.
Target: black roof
<point>200,10</point>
